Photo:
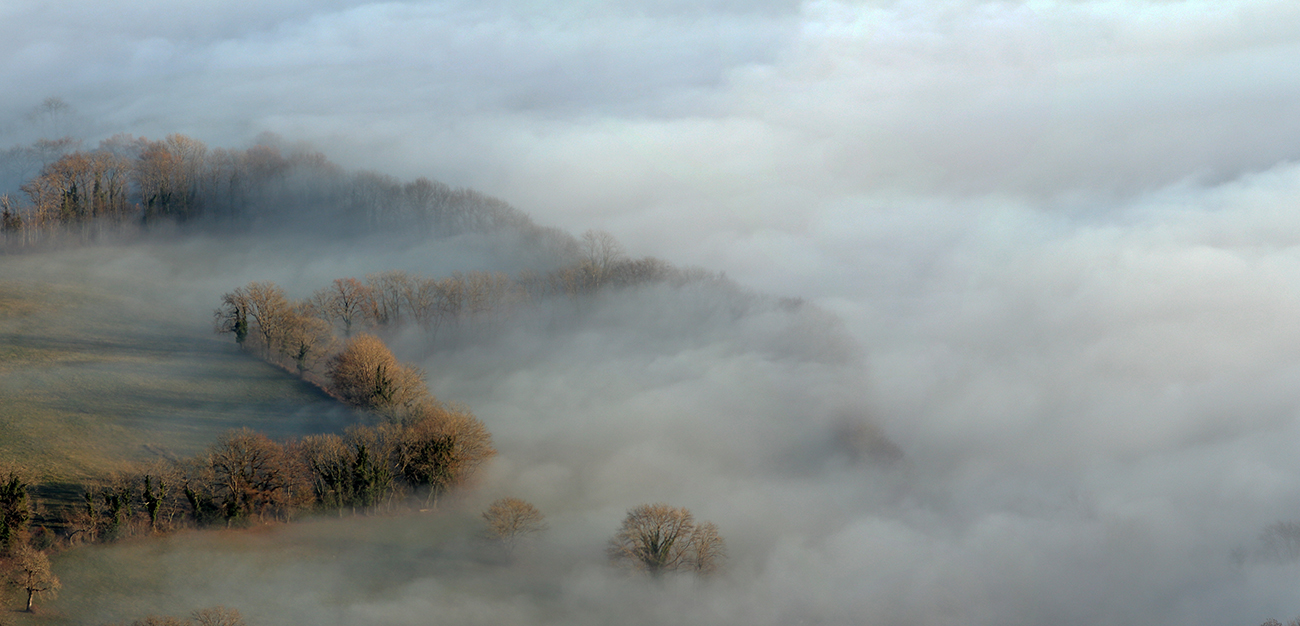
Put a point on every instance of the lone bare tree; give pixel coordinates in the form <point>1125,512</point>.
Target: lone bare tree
<point>660,538</point>
<point>510,519</point>
<point>29,570</point>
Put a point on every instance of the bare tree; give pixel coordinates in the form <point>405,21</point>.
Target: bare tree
<point>422,302</point>
<point>707,550</point>
<point>366,374</point>
<point>626,272</point>
<point>305,337</point>
<point>253,475</point>
<point>660,538</point>
<point>48,114</point>
<point>489,292</point>
<point>29,570</point>
<point>268,312</point>
<point>258,306</point>
<point>217,616</point>
<point>191,155</point>
<point>510,519</point>
<point>452,295</point>
<point>109,176</point>
<point>155,174</point>
<point>11,220</point>
<point>600,251</point>
<point>441,447</point>
<point>345,302</point>
<point>388,291</point>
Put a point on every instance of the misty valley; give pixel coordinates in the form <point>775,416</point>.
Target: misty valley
<point>646,312</point>
<point>246,386</point>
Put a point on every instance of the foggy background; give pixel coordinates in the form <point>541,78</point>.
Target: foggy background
<point>1063,234</point>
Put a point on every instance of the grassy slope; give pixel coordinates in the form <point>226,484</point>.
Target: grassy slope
<point>89,386</point>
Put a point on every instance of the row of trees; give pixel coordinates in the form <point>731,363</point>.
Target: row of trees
<point>245,477</point>
<point>178,178</point>
<point>246,474</point>
<point>302,334</point>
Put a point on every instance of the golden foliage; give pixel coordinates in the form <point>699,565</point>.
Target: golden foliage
<point>366,374</point>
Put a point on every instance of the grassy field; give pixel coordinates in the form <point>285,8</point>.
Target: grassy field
<point>91,383</point>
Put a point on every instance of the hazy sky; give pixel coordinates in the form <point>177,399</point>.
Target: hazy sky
<point>1066,234</point>
<point>769,139</point>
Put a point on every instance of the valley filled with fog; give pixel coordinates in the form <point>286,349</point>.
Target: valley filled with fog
<point>1006,335</point>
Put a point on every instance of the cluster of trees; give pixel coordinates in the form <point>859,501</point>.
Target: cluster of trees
<point>654,538</point>
<point>358,369</point>
<point>659,538</point>
<point>179,179</point>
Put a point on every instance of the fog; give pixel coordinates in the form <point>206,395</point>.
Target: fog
<point>1061,237</point>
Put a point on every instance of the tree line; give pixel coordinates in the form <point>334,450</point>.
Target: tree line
<point>180,180</point>
<point>247,478</point>
<point>306,334</point>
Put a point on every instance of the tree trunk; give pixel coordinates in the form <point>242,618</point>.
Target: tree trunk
<point>30,593</point>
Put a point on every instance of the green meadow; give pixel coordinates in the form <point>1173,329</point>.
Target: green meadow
<point>91,382</point>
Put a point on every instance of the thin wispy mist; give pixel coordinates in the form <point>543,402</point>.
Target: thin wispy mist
<point>1060,236</point>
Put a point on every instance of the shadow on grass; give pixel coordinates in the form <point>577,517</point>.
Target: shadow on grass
<point>137,346</point>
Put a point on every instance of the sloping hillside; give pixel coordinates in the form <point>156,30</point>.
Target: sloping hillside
<point>89,383</point>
